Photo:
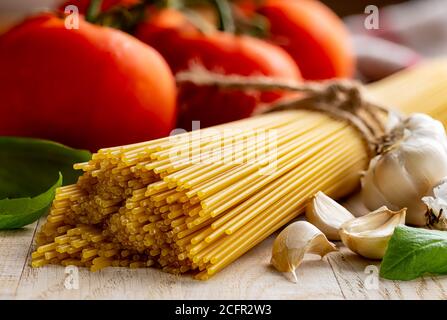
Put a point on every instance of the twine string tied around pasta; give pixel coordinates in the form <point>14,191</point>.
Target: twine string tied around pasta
<point>340,98</point>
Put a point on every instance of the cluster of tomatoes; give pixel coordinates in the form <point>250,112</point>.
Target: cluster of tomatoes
<point>97,86</point>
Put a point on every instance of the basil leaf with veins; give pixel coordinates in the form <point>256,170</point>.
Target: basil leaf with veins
<point>30,172</point>
<point>414,252</point>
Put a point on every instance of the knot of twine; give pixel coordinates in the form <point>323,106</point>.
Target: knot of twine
<point>342,99</point>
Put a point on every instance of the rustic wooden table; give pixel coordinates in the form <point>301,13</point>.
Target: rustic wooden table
<point>340,275</point>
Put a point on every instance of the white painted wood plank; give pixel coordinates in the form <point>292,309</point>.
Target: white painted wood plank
<point>14,251</point>
<point>251,277</point>
<point>350,268</point>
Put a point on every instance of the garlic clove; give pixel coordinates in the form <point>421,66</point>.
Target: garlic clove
<point>369,235</point>
<point>399,188</point>
<point>294,242</point>
<point>371,195</point>
<point>327,215</point>
<point>412,159</point>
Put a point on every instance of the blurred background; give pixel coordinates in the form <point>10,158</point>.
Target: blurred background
<point>346,7</point>
<point>384,36</point>
<point>343,7</point>
<point>408,30</point>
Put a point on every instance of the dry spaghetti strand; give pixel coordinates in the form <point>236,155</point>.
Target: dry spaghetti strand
<point>195,202</point>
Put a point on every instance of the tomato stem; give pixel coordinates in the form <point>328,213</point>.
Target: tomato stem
<point>225,14</point>
<point>126,18</point>
<point>93,10</point>
<point>175,4</point>
<point>119,17</point>
<point>198,21</point>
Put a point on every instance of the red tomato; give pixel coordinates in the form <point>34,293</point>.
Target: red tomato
<point>313,35</point>
<point>183,47</point>
<point>90,88</point>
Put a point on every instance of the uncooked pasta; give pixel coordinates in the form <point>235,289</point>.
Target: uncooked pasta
<point>196,201</point>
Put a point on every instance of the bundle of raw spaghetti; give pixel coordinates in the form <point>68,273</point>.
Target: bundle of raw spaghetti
<point>195,202</point>
<point>419,89</point>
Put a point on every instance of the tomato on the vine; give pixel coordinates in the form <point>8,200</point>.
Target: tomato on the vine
<point>90,87</point>
<point>83,5</point>
<point>185,47</point>
<point>313,35</point>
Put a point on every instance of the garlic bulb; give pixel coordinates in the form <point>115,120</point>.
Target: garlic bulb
<point>327,215</point>
<point>369,235</point>
<point>437,207</point>
<point>294,242</point>
<point>413,162</point>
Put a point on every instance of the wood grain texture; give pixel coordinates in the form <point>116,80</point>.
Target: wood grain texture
<point>340,275</point>
<point>353,277</point>
<point>251,277</point>
<point>14,251</point>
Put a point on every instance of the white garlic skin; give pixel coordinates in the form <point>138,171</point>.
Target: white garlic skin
<point>294,242</point>
<point>368,235</point>
<point>327,215</point>
<point>437,206</point>
<point>409,170</point>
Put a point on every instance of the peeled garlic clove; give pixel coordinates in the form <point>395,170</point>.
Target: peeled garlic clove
<point>369,235</point>
<point>294,242</point>
<point>327,215</point>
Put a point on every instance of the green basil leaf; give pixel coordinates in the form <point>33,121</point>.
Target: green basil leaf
<point>414,252</point>
<point>28,167</point>
<point>16,213</point>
